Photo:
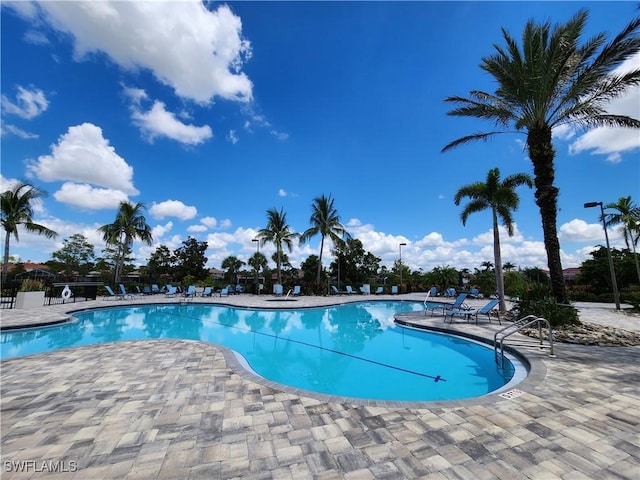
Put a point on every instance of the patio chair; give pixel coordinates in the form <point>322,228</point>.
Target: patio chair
<point>296,291</point>
<point>474,292</point>
<point>207,292</point>
<point>155,289</point>
<point>394,290</point>
<point>124,292</point>
<point>474,312</point>
<point>458,304</point>
<point>224,292</point>
<point>191,291</point>
<point>379,290</point>
<point>349,290</point>
<point>112,294</point>
<point>335,290</point>
<point>171,291</point>
<point>277,290</point>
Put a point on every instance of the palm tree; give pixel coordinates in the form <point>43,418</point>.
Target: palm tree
<point>16,207</point>
<point>258,262</point>
<point>551,81</point>
<point>326,222</point>
<point>232,265</point>
<point>130,224</point>
<point>278,233</point>
<point>501,198</point>
<point>628,217</point>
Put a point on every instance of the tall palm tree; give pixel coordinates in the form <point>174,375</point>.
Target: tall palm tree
<point>232,265</point>
<point>277,232</point>
<point>130,224</point>
<point>501,198</point>
<point>324,221</point>
<point>17,210</point>
<point>552,80</point>
<point>627,216</point>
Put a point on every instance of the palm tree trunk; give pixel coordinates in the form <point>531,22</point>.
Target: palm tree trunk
<point>635,257</point>
<point>5,262</point>
<point>320,260</point>
<point>498,259</point>
<point>542,154</point>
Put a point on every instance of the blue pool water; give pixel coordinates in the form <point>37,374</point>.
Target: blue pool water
<point>352,350</point>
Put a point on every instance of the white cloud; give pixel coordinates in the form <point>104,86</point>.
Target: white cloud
<point>83,155</point>
<point>197,228</point>
<point>282,192</point>
<point>209,222</point>
<point>29,103</point>
<point>232,136</point>
<point>158,122</point>
<point>18,132</point>
<point>226,223</point>
<point>172,208</point>
<point>159,231</point>
<point>197,52</point>
<point>86,196</point>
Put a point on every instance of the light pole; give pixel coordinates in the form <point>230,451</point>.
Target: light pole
<point>614,284</point>
<point>257,259</point>
<point>401,245</point>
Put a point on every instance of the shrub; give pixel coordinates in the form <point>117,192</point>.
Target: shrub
<point>537,299</point>
<point>29,285</point>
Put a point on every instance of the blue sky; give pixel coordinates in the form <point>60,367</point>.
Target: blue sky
<point>211,114</point>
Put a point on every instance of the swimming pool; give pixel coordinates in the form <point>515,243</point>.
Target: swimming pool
<point>352,350</point>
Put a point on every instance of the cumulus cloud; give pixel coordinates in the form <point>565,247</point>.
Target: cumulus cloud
<point>158,122</point>
<point>86,196</point>
<point>232,136</point>
<point>282,192</point>
<point>196,228</point>
<point>209,222</point>
<point>172,208</point>
<point>160,231</point>
<point>610,141</point>
<point>28,104</point>
<point>197,52</point>
<point>83,155</point>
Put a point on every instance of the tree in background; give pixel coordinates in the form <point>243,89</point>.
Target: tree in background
<point>232,265</point>
<point>279,233</point>
<point>17,209</point>
<point>130,224</point>
<point>258,262</point>
<point>161,263</point>
<point>549,81</point>
<point>443,276</point>
<point>628,217</point>
<point>326,222</point>
<point>501,198</point>
<point>76,255</point>
<point>190,259</point>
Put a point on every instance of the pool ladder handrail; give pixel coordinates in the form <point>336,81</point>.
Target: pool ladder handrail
<point>515,327</point>
<point>286,297</point>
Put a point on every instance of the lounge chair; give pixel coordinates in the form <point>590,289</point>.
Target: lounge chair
<point>335,290</point>
<point>171,291</point>
<point>124,292</point>
<point>239,289</point>
<point>349,290</point>
<point>365,289</point>
<point>296,291</point>
<point>155,289</point>
<point>474,312</point>
<point>379,290</point>
<point>394,290</point>
<point>207,292</point>
<point>224,292</point>
<point>458,304</point>
<point>117,296</point>
<point>474,292</point>
<point>450,292</point>
<point>191,291</point>
<point>433,291</point>
<point>277,290</point>
<point>146,290</point>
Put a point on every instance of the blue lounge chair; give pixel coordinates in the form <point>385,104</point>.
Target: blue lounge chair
<point>379,290</point>
<point>124,292</point>
<point>207,292</point>
<point>239,289</point>
<point>450,292</point>
<point>117,296</point>
<point>394,290</point>
<point>474,312</point>
<point>335,290</point>
<point>224,292</point>
<point>458,304</point>
<point>171,291</point>
<point>296,291</point>
<point>433,291</point>
<point>191,291</point>
<point>349,290</point>
<point>155,289</point>
<point>277,290</point>
<point>474,292</point>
